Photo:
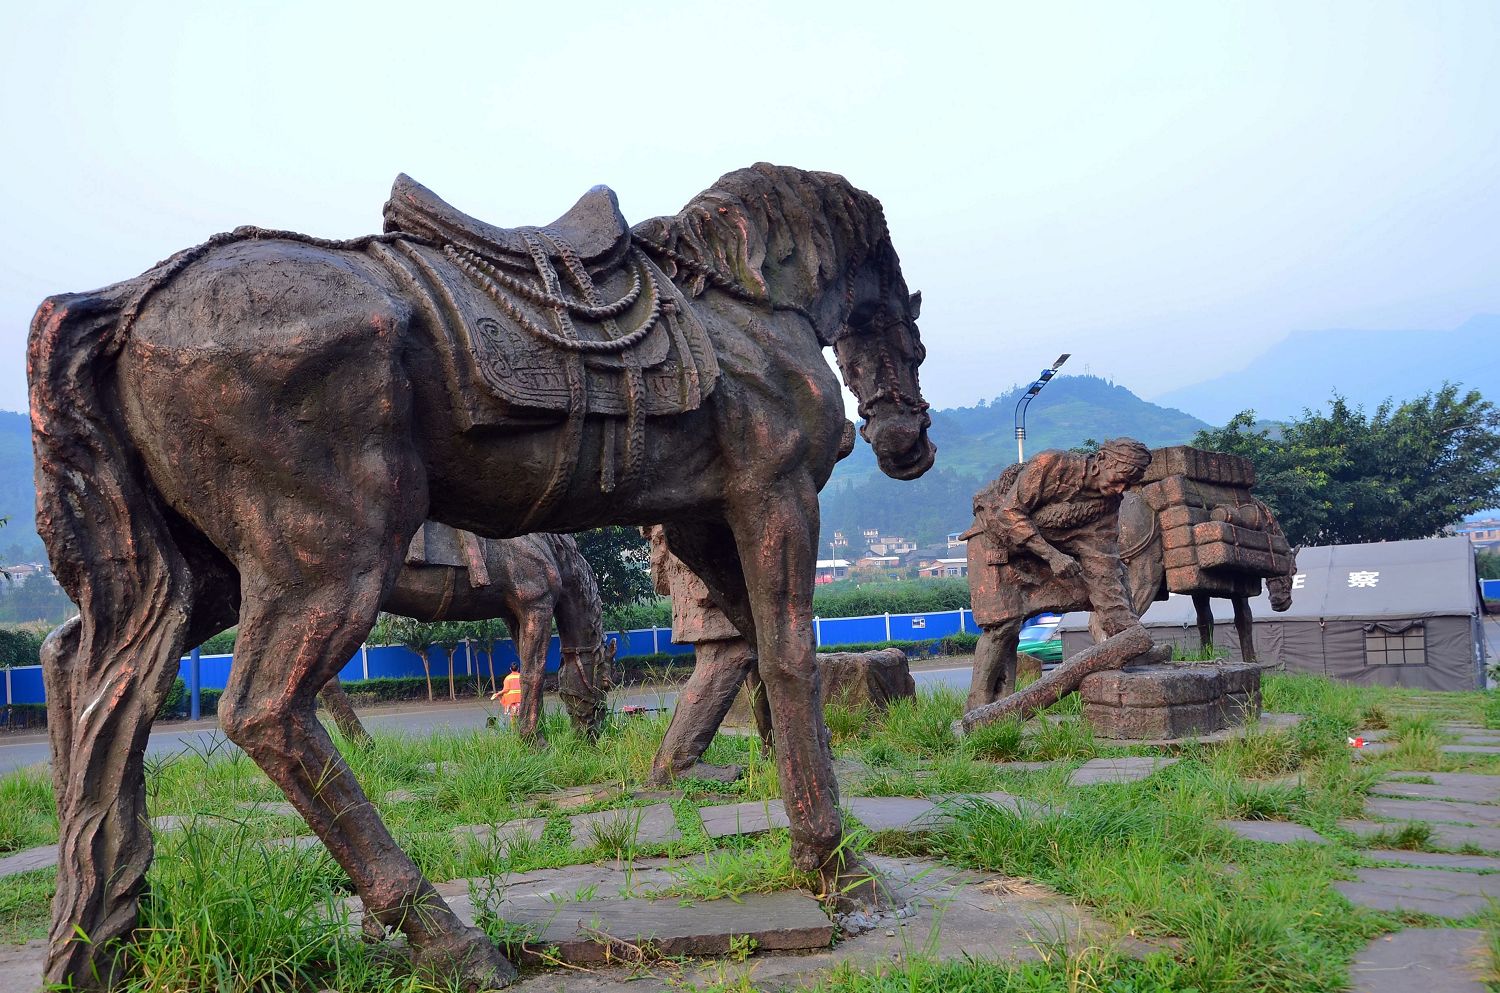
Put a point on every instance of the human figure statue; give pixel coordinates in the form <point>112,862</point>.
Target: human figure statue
<point>724,663</point>
<point>1046,538</point>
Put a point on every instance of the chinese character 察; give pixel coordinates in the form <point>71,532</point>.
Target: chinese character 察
<point>1357,579</point>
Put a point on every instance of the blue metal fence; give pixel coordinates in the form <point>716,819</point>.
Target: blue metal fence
<point>23,685</point>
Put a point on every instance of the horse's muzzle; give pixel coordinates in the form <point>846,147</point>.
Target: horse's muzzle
<point>901,445</point>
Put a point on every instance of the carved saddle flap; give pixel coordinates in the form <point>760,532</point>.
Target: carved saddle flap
<point>546,334</point>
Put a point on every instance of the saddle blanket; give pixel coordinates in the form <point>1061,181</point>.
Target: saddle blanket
<point>498,371</point>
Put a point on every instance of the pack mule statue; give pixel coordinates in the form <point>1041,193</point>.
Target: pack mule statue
<point>1192,526</point>
<point>503,381</point>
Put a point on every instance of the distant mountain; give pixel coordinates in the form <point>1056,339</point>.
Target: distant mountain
<point>18,539</point>
<point>975,443</point>
<point>1306,368</point>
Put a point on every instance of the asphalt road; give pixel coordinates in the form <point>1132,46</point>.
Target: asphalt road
<point>204,737</point>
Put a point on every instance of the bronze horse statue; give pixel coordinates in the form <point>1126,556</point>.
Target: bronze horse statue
<point>528,582</point>
<point>256,427</point>
<point>1142,554</point>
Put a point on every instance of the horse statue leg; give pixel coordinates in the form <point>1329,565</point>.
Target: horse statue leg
<point>1204,610</point>
<point>1244,624</point>
<point>760,571</point>
<point>336,702</point>
<point>533,632</point>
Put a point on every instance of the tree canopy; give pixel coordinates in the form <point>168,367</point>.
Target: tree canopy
<point>1402,471</point>
<point>621,560</point>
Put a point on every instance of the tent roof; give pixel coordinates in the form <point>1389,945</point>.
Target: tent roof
<point>1430,577</point>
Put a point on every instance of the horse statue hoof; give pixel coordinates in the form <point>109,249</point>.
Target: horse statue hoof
<point>467,957</point>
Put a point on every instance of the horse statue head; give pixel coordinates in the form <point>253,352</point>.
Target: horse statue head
<point>811,244</point>
<point>1279,588</point>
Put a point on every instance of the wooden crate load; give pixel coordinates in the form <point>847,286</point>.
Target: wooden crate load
<point>1215,537</point>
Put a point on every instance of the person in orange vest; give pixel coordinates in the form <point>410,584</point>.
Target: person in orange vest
<point>510,694</point>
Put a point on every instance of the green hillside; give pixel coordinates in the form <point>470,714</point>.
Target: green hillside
<point>975,443</point>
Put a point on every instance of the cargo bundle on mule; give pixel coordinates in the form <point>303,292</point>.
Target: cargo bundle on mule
<point>1216,538</point>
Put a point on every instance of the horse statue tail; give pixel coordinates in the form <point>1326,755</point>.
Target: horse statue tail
<point>108,670</point>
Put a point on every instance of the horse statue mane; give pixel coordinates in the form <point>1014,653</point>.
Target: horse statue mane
<point>769,232</point>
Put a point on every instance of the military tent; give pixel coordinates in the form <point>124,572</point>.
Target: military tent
<point>1393,613</point>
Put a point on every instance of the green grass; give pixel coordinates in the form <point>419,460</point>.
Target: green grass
<point>228,912</point>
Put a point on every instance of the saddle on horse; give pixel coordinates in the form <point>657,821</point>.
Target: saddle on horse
<point>553,322</point>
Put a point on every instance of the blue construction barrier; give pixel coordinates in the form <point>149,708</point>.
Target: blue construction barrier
<point>1490,588</point>
<point>23,685</point>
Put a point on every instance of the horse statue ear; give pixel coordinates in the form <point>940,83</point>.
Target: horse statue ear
<point>914,304</point>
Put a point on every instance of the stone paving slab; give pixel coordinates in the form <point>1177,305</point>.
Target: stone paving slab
<point>28,860</point>
<point>1446,835</point>
<point>896,813</point>
<point>276,808</point>
<point>1372,749</point>
<point>1469,749</point>
<point>750,817</point>
<point>21,966</point>
<point>505,834</point>
<point>1434,860</point>
<point>1126,769</point>
<point>1485,792</point>
<point>1450,895</point>
<point>1274,832</point>
<point>1433,960</point>
<point>653,825</point>
<point>581,796</point>
<point>960,915</point>
<point>587,931</point>
<point>1450,811</point>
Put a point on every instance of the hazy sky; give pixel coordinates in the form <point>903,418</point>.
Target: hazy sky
<point>1161,189</point>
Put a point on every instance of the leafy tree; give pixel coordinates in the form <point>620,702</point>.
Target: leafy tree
<point>485,635</point>
<point>1403,471</point>
<point>411,634</point>
<point>1488,564</point>
<point>621,560</point>
<point>448,635</point>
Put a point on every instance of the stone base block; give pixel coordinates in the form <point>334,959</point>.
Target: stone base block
<point>1170,700</point>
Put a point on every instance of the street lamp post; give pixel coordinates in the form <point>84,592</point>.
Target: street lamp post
<point>1025,402</point>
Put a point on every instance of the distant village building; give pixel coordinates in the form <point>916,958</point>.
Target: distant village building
<point>830,570</point>
<point>943,568</point>
<point>891,565</point>
<point>954,541</point>
<point>1483,534</point>
<point>839,540</point>
<point>26,571</point>
<point>890,545</point>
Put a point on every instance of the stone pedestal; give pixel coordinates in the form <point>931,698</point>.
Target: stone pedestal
<point>1170,700</point>
<point>850,679</point>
